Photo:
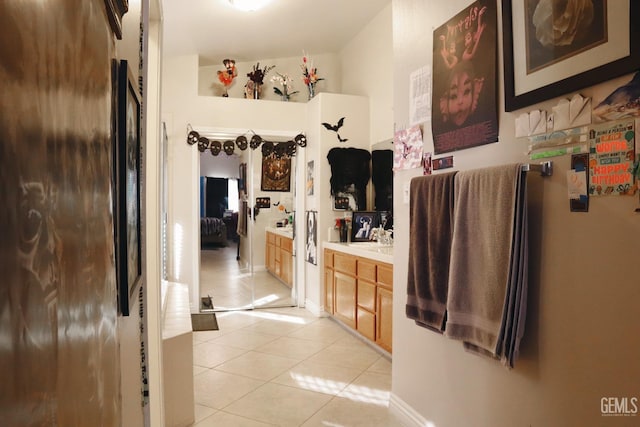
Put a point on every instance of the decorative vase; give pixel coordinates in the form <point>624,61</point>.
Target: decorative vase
<point>256,90</point>
<point>312,89</point>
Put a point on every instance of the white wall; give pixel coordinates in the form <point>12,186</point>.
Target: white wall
<point>220,166</point>
<point>329,108</point>
<point>367,70</point>
<point>580,342</point>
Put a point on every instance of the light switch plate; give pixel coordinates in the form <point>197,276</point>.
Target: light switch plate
<point>405,192</point>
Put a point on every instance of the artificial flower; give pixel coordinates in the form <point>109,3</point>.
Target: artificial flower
<point>285,81</point>
<point>309,72</point>
<point>258,74</point>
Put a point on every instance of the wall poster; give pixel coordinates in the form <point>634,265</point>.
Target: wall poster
<point>465,96</point>
<point>611,158</point>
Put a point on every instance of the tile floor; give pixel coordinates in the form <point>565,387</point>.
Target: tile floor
<point>280,366</point>
<point>286,367</point>
<point>231,286</point>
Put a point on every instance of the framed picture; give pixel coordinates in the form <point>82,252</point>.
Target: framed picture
<point>242,179</point>
<point>115,10</point>
<point>128,149</point>
<point>340,203</point>
<point>311,242</point>
<point>362,222</point>
<point>276,173</point>
<point>310,177</point>
<point>602,42</point>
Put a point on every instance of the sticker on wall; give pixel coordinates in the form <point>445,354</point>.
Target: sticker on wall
<point>442,163</point>
<point>407,148</point>
<point>427,166</point>
<point>420,96</point>
<point>611,158</point>
<point>621,103</point>
<point>577,183</point>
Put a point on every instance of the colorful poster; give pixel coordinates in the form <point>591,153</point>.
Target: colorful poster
<point>407,148</point>
<point>611,158</point>
<point>465,96</point>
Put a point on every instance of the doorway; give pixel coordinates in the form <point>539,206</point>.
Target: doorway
<point>234,273</point>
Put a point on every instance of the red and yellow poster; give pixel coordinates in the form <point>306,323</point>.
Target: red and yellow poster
<point>465,97</point>
<point>611,158</point>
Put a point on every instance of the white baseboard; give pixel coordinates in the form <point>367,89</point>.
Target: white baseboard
<point>313,308</point>
<point>408,416</point>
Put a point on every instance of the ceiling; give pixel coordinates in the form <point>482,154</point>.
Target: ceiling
<point>214,30</point>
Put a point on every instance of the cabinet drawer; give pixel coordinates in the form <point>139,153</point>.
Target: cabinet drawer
<point>271,238</point>
<point>286,244</point>
<point>344,263</point>
<point>385,275</point>
<point>278,241</point>
<point>366,270</point>
<point>367,295</point>
<point>328,258</point>
<point>367,324</point>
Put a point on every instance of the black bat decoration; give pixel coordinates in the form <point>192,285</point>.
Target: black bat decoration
<point>335,128</point>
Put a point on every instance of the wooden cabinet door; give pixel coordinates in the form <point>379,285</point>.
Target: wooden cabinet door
<point>345,298</point>
<point>367,323</point>
<point>271,258</point>
<point>328,290</point>
<point>384,318</point>
<point>286,267</point>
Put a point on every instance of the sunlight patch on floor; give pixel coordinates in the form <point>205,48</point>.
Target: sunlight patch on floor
<point>274,316</point>
<point>354,392</point>
<point>266,300</point>
<point>321,385</point>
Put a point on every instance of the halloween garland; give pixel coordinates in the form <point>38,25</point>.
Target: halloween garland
<point>278,149</point>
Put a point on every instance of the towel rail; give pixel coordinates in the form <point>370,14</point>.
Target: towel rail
<point>545,168</point>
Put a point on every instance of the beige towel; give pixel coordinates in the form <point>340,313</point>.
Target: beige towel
<point>484,210</point>
<point>430,232</point>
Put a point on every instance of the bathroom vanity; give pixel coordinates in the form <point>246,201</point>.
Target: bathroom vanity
<point>358,281</point>
<point>279,253</point>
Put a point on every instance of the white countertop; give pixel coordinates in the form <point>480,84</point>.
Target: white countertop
<point>282,231</point>
<point>369,250</point>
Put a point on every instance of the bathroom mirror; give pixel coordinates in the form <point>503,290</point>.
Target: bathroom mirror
<point>252,265</point>
<point>382,175</point>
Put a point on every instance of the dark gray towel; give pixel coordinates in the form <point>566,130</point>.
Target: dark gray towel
<point>431,228</point>
<point>488,278</point>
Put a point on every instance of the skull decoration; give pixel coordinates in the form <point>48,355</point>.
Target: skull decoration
<point>301,140</point>
<point>267,148</point>
<point>203,144</point>
<point>241,142</point>
<point>255,142</point>
<point>280,150</point>
<point>192,137</point>
<point>215,147</point>
<point>290,148</point>
<point>228,147</point>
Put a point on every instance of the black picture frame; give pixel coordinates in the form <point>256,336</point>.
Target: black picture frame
<point>115,11</point>
<point>362,222</point>
<point>590,77</point>
<point>128,188</point>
